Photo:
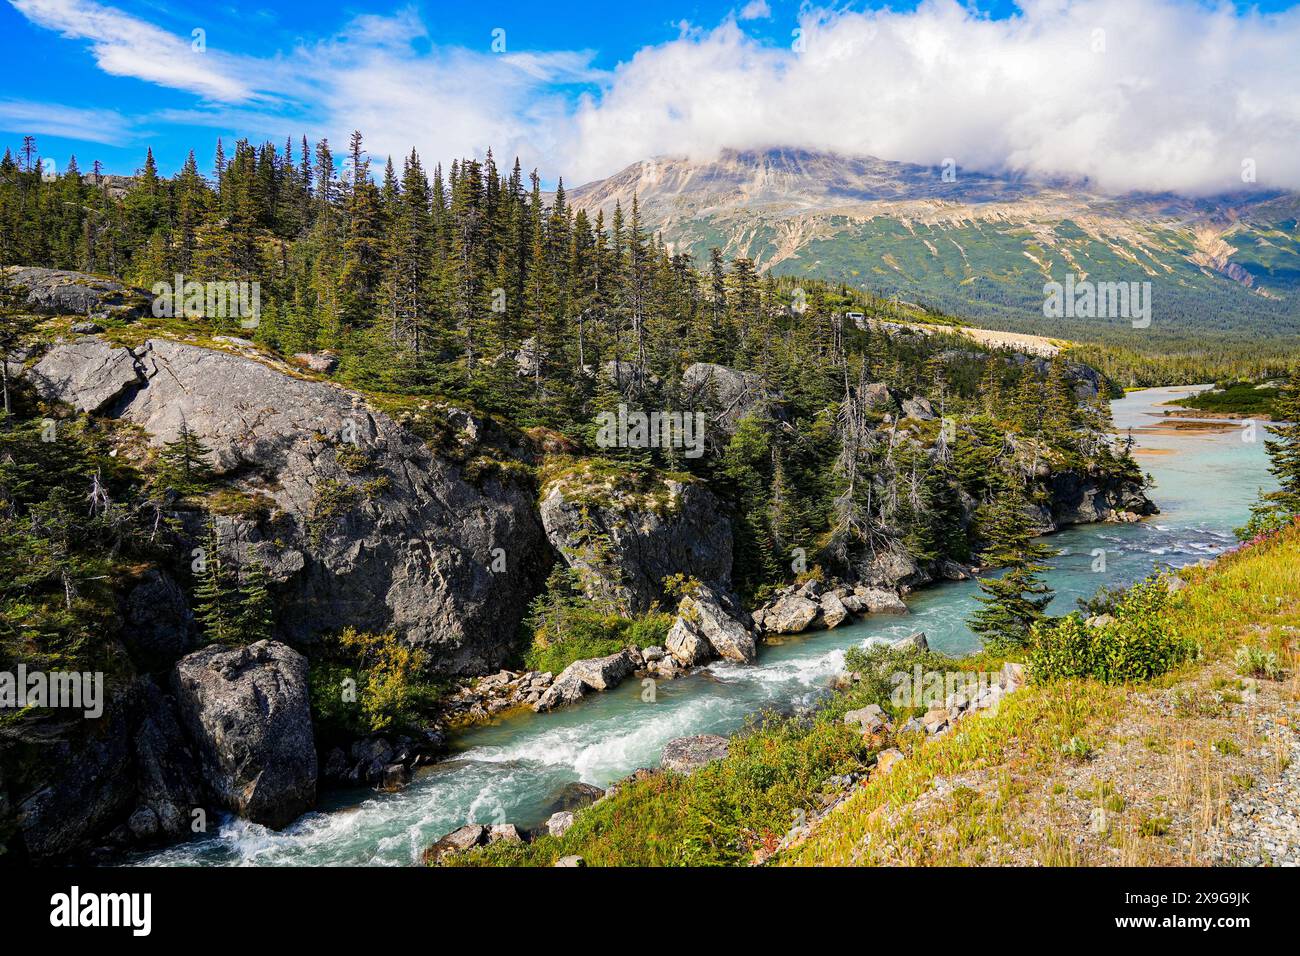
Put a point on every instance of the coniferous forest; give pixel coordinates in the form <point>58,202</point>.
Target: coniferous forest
<point>470,284</point>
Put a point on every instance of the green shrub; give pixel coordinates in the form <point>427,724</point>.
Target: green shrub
<point>1257,662</point>
<point>375,682</point>
<point>575,633</point>
<point>876,666</point>
<point>1137,645</point>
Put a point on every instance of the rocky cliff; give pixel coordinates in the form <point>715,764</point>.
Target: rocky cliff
<point>363,524</point>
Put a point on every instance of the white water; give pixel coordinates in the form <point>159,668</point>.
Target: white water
<point>513,771</point>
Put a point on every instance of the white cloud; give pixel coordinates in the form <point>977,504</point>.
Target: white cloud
<point>1168,95</point>
<point>53,119</point>
<point>755,10</point>
<point>124,45</point>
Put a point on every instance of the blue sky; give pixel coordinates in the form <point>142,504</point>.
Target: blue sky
<point>1174,95</point>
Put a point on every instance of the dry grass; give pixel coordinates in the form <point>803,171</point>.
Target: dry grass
<point>1151,777</point>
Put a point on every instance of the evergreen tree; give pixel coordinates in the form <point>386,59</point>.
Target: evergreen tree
<point>183,463</point>
<point>1012,603</point>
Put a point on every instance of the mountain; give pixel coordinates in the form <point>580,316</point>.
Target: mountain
<point>980,245</point>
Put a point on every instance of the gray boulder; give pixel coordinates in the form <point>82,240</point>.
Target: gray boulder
<point>457,841</point>
<point>710,624</point>
<point>582,677</point>
<point>866,720</point>
<point>687,643</point>
<point>913,642</point>
<point>559,823</point>
<point>60,292</point>
<point>688,754</point>
<point>731,394</point>
<point>918,408</point>
<point>87,373</point>
<point>655,527</point>
<point>791,614</point>
<point>246,709</point>
<point>834,613</point>
<point>877,601</point>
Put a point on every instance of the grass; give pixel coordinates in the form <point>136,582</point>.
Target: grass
<point>592,633</point>
<point>1145,770</point>
<point>719,815</point>
<point>1028,743</point>
<point>1232,398</point>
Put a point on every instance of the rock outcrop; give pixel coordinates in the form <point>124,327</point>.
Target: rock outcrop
<point>365,525</point>
<point>60,292</point>
<point>711,624</point>
<point>729,395</point>
<point>688,754</point>
<point>582,677</point>
<point>70,786</point>
<point>247,710</point>
<point>88,374</point>
<point>625,539</point>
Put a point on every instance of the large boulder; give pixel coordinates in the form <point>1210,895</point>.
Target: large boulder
<point>457,841</point>
<point>361,524</point>
<point>918,408</point>
<point>89,374</point>
<point>582,677</point>
<point>711,624</point>
<point>247,711</point>
<point>729,395</point>
<point>626,533</point>
<point>70,784</point>
<point>60,292</point>
<point>877,600</point>
<point>688,754</point>
<point>834,613</point>
<point>791,614</point>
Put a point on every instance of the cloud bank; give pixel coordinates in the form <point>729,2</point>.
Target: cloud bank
<point>1132,94</point>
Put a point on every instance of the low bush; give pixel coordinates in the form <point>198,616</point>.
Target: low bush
<point>1253,661</point>
<point>1137,645</point>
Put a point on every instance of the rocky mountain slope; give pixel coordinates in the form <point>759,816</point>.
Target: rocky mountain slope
<point>440,531</point>
<point>978,244</point>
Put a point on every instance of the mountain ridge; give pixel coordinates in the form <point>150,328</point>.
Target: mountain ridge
<point>982,244</point>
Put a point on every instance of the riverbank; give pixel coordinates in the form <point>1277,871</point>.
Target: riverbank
<point>517,769</point>
<point>1195,767</point>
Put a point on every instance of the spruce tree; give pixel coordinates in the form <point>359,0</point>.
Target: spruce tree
<point>1010,604</point>
<point>183,463</point>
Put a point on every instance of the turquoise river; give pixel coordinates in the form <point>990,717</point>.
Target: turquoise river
<point>512,771</point>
